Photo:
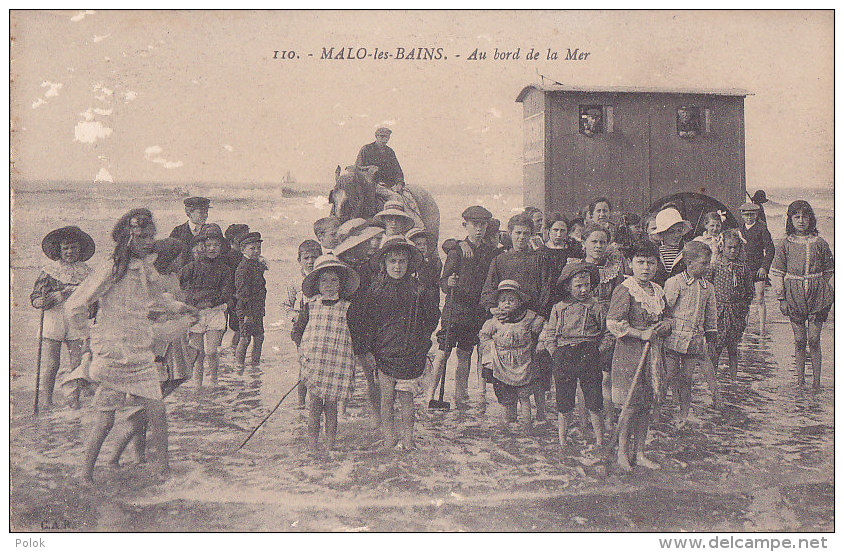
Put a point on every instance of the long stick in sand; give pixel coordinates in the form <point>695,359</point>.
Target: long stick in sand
<point>38,361</point>
<point>625,410</point>
<point>267,417</point>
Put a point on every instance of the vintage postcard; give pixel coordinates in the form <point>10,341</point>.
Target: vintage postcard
<point>389,271</point>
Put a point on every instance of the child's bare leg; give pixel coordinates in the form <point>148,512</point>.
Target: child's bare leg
<point>156,414</point>
<point>800,340</point>
<point>606,391</point>
<point>597,419</point>
<point>135,432</point>
<point>716,356</point>
<point>461,377</point>
<point>563,419</point>
<point>74,349</point>
<point>240,352</point>
<point>314,415</point>
<point>539,399</point>
<point>643,422</point>
<point>511,411</point>
<point>626,436</point>
<point>759,289</point>
<point>732,358</point>
<point>103,422</point>
<point>373,389</point>
<point>526,414</point>
<point>213,339</point>
<point>52,352</point>
<point>235,341</point>
<point>708,371</point>
<point>814,339</point>
<point>257,347</point>
<point>432,378</point>
<point>405,400</point>
<point>197,342</point>
<point>388,396</point>
<point>330,424</point>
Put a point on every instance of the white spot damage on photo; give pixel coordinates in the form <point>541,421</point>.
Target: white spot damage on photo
<point>104,176</point>
<point>81,15</point>
<point>227,147</point>
<point>130,95</point>
<point>104,112</point>
<point>100,38</point>
<point>494,112</point>
<point>52,88</point>
<point>38,102</point>
<point>153,153</point>
<point>89,132</point>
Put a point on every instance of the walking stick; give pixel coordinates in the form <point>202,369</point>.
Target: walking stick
<point>38,361</point>
<point>267,417</point>
<point>441,404</point>
<point>625,410</point>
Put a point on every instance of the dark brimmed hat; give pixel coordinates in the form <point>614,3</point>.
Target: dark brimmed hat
<point>51,244</point>
<point>749,206</point>
<point>211,230</point>
<point>197,202</point>
<point>476,212</point>
<point>235,230</point>
<point>251,237</point>
<point>514,286</point>
<point>574,268</point>
<point>400,242</point>
<point>350,279</point>
<point>759,196</point>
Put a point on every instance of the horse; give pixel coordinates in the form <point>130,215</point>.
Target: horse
<point>356,195</point>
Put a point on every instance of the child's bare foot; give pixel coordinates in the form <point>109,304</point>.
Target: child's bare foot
<point>646,462</point>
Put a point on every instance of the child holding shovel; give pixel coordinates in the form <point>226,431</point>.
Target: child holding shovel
<point>635,318</point>
<point>68,248</point>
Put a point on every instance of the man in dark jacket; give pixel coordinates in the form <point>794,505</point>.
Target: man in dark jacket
<point>759,248</point>
<point>379,154</point>
<point>251,294</point>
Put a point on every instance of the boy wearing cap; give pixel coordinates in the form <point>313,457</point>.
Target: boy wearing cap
<point>463,316</point>
<point>293,302</point>
<point>196,208</point>
<point>67,248</point>
<point>432,266</point>
<point>250,291</point>
<point>759,248</point>
<point>207,282</point>
<point>574,336</point>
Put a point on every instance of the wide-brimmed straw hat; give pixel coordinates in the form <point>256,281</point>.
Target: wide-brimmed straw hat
<point>415,232</point>
<point>574,268</point>
<point>749,207</point>
<point>361,235</point>
<point>51,244</point>
<point>349,278</point>
<point>392,243</point>
<point>668,217</point>
<point>393,208</point>
<point>515,287</point>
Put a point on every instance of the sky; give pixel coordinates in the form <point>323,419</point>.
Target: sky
<point>191,96</point>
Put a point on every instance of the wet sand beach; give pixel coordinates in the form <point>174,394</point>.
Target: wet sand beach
<point>764,462</point>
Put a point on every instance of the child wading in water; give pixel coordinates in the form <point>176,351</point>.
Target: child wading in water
<point>508,349</point>
<point>309,252</point>
<point>635,317</point>
<point>133,311</point>
<point>396,317</point>
<point>574,334</point>
<point>322,333</point>
<point>733,294</point>
<point>693,313</point>
<point>802,268</point>
<point>251,295</point>
<point>68,248</point>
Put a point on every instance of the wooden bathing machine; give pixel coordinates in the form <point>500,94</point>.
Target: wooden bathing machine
<point>640,147</point>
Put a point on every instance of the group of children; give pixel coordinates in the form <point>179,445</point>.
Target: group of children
<point>623,310</point>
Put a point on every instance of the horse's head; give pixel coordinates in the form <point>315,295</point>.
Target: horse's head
<point>353,193</point>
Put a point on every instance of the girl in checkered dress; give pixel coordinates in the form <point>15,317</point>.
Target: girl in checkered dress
<point>325,343</point>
